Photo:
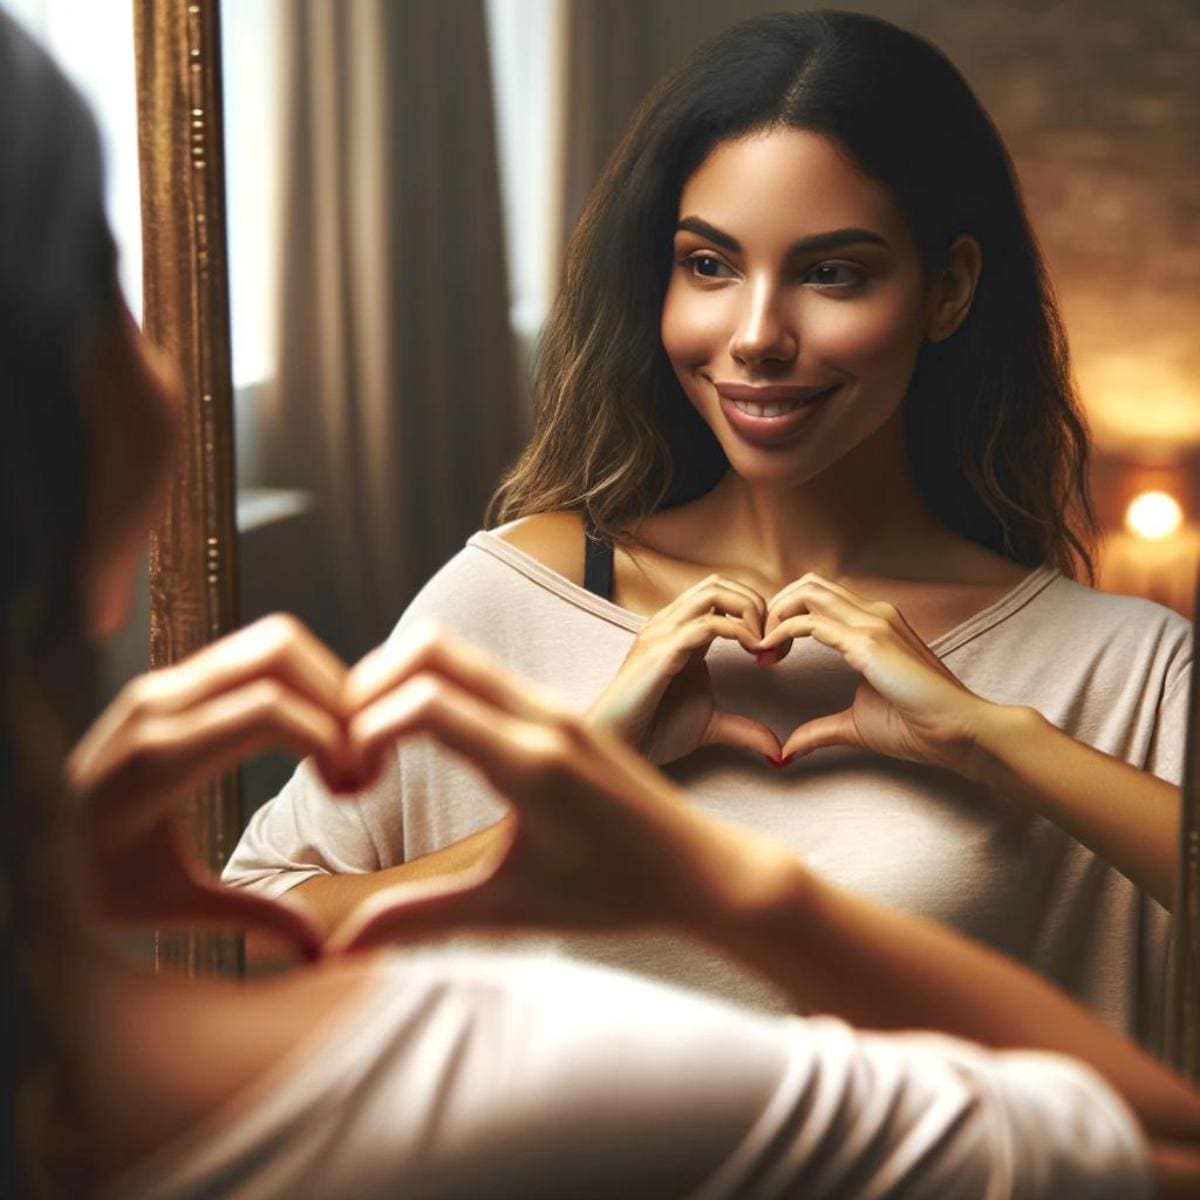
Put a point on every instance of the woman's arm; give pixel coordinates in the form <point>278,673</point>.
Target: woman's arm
<point>882,969</point>
<point>836,952</point>
<point>329,899</point>
<point>878,968</point>
<point>601,840</point>
<point>910,706</point>
<point>1128,817</point>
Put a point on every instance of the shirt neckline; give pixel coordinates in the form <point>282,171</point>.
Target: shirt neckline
<point>1020,594</point>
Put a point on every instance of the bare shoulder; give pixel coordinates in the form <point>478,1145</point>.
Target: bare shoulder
<point>210,1042</point>
<point>555,539</point>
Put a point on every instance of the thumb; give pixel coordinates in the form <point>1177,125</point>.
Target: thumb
<point>410,911</point>
<point>284,920</point>
<point>837,729</point>
<point>199,903</point>
<point>732,729</point>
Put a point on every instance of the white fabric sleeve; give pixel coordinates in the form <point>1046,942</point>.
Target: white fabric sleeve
<point>305,831</point>
<point>1168,746</point>
<point>496,1077</point>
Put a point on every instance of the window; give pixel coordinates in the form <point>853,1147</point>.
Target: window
<point>93,43</point>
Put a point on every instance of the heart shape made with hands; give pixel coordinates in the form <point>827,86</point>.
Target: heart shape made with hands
<point>907,705</point>
<point>787,617</point>
<point>272,684</point>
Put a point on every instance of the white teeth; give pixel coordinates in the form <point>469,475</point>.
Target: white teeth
<point>778,408</point>
<point>766,410</point>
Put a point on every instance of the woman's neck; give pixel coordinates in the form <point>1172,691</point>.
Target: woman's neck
<point>835,528</point>
<point>863,516</point>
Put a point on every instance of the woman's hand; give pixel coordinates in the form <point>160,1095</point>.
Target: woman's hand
<point>598,839</point>
<point>661,700</point>
<point>908,704</point>
<point>168,732</point>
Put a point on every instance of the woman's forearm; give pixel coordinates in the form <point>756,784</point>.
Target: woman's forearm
<point>839,953</point>
<point>1128,817</point>
<point>328,899</point>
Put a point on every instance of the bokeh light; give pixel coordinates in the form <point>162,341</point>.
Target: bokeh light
<point>1153,516</point>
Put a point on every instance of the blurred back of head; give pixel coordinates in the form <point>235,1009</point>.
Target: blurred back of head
<point>57,295</point>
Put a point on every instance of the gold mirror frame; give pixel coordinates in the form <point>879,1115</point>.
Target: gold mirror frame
<point>193,556</point>
<point>193,548</point>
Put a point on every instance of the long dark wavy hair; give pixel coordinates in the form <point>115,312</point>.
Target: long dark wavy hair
<point>994,430</point>
<point>57,294</point>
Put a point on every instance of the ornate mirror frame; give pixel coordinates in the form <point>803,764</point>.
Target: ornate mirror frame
<point>193,561</point>
<point>193,548</point>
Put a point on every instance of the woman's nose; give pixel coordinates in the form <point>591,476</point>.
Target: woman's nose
<point>765,332</point>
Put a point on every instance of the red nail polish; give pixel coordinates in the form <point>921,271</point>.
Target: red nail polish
<point>774,760</point>
<point>787,762</point>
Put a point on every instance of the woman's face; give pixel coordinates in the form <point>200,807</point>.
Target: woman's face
<point>796,305</point>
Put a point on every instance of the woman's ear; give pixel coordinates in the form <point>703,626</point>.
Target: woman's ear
<point>954,288</point>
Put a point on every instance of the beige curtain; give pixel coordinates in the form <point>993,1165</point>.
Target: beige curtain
<point>395,400</point>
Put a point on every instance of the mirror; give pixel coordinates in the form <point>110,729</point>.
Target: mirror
<point>368,341</point>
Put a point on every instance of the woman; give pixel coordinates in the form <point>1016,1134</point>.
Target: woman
<point>806,380</point>
<point>426,1076</point>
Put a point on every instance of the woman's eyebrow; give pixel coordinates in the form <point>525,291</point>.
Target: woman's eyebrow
<point>833,240</point>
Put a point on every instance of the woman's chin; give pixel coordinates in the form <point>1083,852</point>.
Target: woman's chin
<point>770,468</point>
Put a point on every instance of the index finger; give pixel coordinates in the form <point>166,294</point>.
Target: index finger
<point>428,647</point>
<point>278,646</point>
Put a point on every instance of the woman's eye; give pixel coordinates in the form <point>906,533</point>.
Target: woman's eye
<point>836,275</point>
<point>707,266</point>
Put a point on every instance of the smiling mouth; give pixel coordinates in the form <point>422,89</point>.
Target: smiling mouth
<point>771,415</point>
<point>778,408</point>
<point>770,402</point>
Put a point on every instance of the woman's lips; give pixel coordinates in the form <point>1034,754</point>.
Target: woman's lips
<point>766,415</point>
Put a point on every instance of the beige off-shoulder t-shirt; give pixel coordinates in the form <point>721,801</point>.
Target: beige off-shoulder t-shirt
<point>1110,670</point>
<point>500,1078</point>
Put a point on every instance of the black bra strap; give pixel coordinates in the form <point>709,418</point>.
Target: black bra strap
<point>597,566</point>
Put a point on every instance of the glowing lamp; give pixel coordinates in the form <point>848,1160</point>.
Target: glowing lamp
<point>1153,516</point>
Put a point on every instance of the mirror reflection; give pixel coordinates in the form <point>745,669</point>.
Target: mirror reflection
<point>800,383</point>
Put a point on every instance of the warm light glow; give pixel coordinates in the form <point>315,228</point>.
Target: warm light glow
<point>1141,406</point>
<point>1153,515</point>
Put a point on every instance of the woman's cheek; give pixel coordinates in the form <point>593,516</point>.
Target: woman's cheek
<point>860,336</point>
<point>692,328</point>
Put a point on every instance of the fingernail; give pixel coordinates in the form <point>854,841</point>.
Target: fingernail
<point>774,760</point>
<point>787,762</point>
<point>765,658</point>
